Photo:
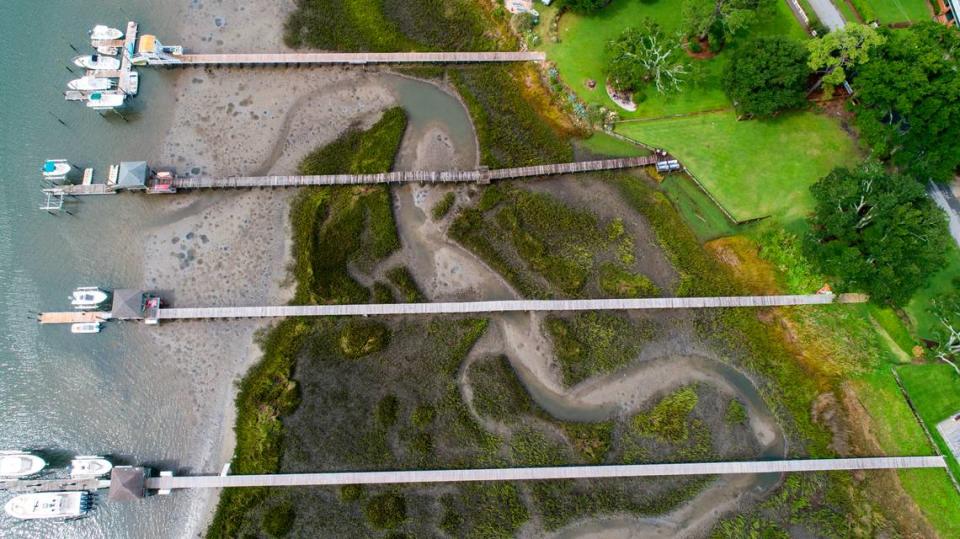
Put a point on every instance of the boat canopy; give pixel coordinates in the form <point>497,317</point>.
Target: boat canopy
<point>133,175</point>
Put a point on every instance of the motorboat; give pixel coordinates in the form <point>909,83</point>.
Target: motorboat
<point>20,464</point>
<point>102,32</point>
<point>90,83</point>
<point>104,101</point>
<point>85,327</point>
<point>48,505</point>
<point>97,62</point>
<point>56,168</point>
<point>88,297</point>
<point>132,83</point>
<point>89,466</point>
<point>107,50</point>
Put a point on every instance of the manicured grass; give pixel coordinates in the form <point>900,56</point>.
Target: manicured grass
<point>603,144</point>
<point>935,391</point>
<point>892,11</point>
<point>754,168</point>
<point>580,54</point>
<point>940,283</point>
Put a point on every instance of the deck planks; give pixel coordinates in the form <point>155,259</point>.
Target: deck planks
<point>358,58</point>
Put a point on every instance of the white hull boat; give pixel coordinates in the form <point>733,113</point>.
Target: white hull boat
<point>85,327</point>
<point>108,51</point>
<point>48,505</point>
<point>88,297</point>
<point>89,466</point>
<point>102,32</point>
<point>20,464</point>
<point>97,62</point>
<point>100,101</point>
<point>90,83</point>
<point>56,168</point>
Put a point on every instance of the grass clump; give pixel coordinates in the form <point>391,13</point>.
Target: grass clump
<point>736,413</point>
<point>401,278</point>
<point>278,521</point>
<point>443,206</point>
<point>386,511</point>
<point>351,493</point>
<point>387,410</point>
<point>497,393</point>
<point>382,293</point>
<point>668,419</point>
<point>361,337</point>
<point>593,343</point>
<point>620,283</point>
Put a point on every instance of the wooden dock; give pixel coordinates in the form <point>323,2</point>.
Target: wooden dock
<point>473,307</point>
<point>73,317</point>
<point>542,473</point>
<point>353,58</point>
<point>52,485</point>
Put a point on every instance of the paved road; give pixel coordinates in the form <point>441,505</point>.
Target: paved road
<point>828,14</point>
<point>944,197</point>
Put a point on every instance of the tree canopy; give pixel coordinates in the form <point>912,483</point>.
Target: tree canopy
<point>645,55</point>
<point>766,76</point>
<point>876,232</point>
<point>908,100</point>
<point>719,19</point>
<point>840,50</point>
<point>585,6</point>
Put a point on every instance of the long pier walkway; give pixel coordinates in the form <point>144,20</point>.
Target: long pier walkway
<point>542,473</point>
<point>470,307</point>
<point>353,58</point>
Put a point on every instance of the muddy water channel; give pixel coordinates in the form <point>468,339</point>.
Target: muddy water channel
<point>441,136</point>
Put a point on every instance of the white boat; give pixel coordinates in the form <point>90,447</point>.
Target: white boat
<point>90,83</point>
<point>85,327</point>
<point>87,297</point>
<point>97,61</point>
<point>102,101</point>
<point>102,32</point>
<point>19,464</point>
<point>48,505</point>
<point>89,466</point>
<point>56,168</point>
<point>133,83</point>
<point>107,51</point>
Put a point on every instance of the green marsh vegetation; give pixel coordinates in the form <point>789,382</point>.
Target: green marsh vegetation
<point>443,206</point>
<point>592,343</point>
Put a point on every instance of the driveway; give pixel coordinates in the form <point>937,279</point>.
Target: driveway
<point>828,14</point>
<point>945,198</point>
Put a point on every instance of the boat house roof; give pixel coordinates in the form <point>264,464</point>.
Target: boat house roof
<point>127,483</point>
<point>127,304</point>
<point>133,175</point>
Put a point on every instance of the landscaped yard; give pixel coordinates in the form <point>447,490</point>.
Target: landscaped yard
<point>935,391</point>
<point>754,168</point>
<point>893,11</point>
<point>942,282</point>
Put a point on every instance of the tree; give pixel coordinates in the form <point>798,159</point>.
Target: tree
<point>719,19</point>
<point>876,231</point>
<point>908,101</point>
<point>767,75</point>
<point>585,6</point>
<point>947,311</point>
<point>645,55</point>
<point>840,50</point>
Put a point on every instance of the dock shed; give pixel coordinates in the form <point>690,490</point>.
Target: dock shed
<point>127,304</point>
<point>127,483</point>
<point>132,176</point>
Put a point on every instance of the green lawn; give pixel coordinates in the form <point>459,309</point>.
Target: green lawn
<point>601,143</point>
<point>580,53</point>
<point>703,216</point>
<point>892,11</point>
<point>754,168</point>
<point>934,389</point>
<point>919,307</point>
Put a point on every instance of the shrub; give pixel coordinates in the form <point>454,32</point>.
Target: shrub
<point>360,337</point>
<point>278,521</point>
<point>351,493</point>
<point>736,413</point>
<point>386,511</point>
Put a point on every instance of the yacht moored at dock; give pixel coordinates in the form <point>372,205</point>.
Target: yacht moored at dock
<point>103,32</point>
<point>105,101</point>
<point>20,464</point>
<point>97,62</point>
<point>90,83</point>
<point>89,466</point>
<point>48,505</point>
<point>88,297</point>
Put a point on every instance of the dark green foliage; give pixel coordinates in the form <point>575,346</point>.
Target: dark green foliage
<point>387,410</point>
<point>736,413</point>
<point>386,511</point>
<point>585,6</point>
<point>401,277</point>
<point>908,100</point>
<point>645,55</point>
<point>443,206</point>
<point>497,393</point>
<point>592,441</point>
<point>382,293</point>
<point>595,343</point>
<point>720,19</point>
<point>619,283</point>
<point>767,75</point>
<point>878,232</point>
<point>351,493</point>
<point>668,420</point>
<point>278,521</point>
<point>511,132</point>
<point>484,511</point>
<point>333,226</point>
<point>360,337</point>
